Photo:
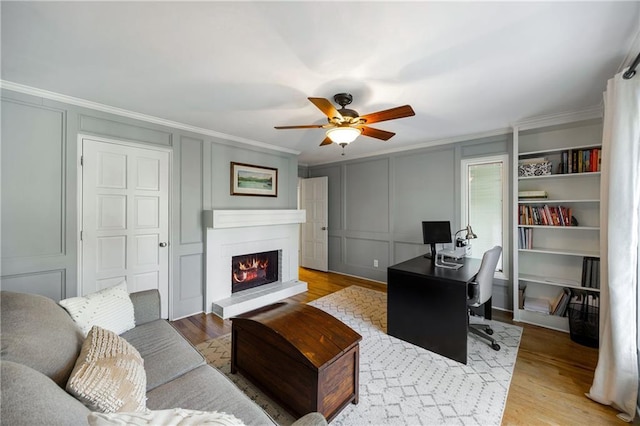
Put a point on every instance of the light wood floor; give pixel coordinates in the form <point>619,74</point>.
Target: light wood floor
<point>551,375</point>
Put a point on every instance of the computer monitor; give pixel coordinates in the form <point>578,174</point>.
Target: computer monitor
<point>436,232</point>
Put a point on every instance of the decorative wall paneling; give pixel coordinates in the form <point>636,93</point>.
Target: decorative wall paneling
<point>376,205</point>
<point>40,190</point>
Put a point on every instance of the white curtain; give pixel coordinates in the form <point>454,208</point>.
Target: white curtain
<point>616,380</point>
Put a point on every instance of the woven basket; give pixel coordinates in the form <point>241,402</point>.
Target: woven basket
<point>535,169</point>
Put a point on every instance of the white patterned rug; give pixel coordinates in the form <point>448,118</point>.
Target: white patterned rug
<point>401,383</point>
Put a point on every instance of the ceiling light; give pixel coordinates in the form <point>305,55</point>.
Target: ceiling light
<point>343,135</point>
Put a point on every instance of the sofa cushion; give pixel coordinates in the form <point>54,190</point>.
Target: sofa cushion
<point>166,353</point>
<point>40,334</point>
<point>175,416</point>
<point>110,308</point>
<point>207,389</point>
<point>109,375</point>
<point>31,398</point>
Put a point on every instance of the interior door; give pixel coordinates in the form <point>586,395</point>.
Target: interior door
<point>314,194</point>
<point>125,218</point>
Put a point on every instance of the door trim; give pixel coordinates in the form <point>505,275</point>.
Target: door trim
<point>79,212</point>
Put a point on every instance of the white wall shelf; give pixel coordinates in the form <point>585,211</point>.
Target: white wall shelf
<point>550,201</point>
<point>562,252</point>
<point>560,176</point>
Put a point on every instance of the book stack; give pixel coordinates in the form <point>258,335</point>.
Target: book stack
<point>580,161</point>
<point>560,303</point>
<point>591,272</point>
<point>544,215</point>
<point>525,238</point>
<point>537,304</point>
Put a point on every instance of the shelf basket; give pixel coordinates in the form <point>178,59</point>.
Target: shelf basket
<point>542,168</point>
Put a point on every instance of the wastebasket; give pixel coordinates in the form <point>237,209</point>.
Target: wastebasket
<point>584,324</point>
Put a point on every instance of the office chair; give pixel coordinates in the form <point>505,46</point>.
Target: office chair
<point>480,291</point>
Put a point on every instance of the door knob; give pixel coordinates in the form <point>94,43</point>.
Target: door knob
<point>324,228</point>
<point>163,244</point>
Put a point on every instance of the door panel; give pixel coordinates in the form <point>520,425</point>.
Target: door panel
<point>125,218</point>
<point>314,248</point>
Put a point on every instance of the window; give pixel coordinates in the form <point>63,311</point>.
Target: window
<point>485,199</point>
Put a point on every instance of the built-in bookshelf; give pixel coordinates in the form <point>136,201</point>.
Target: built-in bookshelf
<point>554,232</point>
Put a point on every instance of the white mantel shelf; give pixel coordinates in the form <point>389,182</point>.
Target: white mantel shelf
<point>221,219</point>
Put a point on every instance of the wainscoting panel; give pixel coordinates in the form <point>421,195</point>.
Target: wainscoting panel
<point>47,283</point>
<point>405,251</point>
<point>367,196</point>
<point>423,190</point>
<point>190,294</point>
<point>33,181</point>
<point>361,253</point>
<point>191,193</point>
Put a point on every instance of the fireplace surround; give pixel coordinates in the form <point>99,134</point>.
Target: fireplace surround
<point>232,233</point>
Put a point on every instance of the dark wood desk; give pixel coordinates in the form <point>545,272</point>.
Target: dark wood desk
<point>427,306</point>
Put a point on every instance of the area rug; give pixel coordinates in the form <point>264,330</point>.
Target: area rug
<point>401,383</point>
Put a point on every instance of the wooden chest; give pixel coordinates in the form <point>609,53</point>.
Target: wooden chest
<point>302,357</point>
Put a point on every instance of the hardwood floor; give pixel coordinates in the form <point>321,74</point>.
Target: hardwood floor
<point>551,375</point>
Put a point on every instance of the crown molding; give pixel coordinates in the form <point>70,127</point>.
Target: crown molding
<point>28,90</point>
<point>590,113</point>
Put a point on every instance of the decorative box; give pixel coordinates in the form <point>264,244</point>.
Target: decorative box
<point>534,169</point>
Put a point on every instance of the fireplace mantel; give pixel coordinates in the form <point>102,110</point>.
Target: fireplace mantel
<point>221,219</point>
<point>237,232</point>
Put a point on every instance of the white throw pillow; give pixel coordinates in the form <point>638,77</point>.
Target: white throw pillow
<point>110,308</point>
<point>172,417</point>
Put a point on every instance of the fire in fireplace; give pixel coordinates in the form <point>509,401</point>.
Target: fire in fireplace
<point>253,270</point>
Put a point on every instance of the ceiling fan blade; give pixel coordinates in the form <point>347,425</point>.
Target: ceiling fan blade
<point>376,133</point>
<point>302,126</point>
<point>326,107</point>
<point>388,114</point>
<point>326,141</point>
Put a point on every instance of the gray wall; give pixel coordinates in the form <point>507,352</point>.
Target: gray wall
<point>377,204</point>
<point>39,178</point>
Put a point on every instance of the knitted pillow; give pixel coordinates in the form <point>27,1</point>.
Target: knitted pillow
<point>109,374</point>
<point>110,308</point>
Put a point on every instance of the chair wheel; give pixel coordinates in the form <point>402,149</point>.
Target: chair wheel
<point>495,346</point>
<point>489,331</point>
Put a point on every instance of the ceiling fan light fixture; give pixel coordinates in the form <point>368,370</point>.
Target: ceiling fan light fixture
<point>343,135</point>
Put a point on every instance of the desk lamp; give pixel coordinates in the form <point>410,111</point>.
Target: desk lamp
<point>461,242</point>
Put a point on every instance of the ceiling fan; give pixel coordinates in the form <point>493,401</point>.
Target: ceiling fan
<point>345,125</point>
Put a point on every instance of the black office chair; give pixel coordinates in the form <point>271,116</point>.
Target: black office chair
<point>480,291</point>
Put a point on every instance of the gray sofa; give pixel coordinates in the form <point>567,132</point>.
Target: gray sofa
<point>40,344</point>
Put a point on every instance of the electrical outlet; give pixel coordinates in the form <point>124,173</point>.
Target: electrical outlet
<point>375,263</point>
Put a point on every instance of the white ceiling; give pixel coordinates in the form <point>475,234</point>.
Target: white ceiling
<point>240,68</point>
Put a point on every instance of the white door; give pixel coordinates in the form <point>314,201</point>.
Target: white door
<point>125,218</point>
<point>314,246</point>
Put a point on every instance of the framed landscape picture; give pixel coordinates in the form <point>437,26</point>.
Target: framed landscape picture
<point>247,179</point>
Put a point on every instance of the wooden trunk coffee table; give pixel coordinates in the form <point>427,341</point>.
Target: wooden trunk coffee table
<point>299,355</point>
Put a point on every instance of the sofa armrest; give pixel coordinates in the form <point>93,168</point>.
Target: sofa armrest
<point>146,306</point>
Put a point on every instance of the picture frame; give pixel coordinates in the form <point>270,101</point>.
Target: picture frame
<point>252,180</point>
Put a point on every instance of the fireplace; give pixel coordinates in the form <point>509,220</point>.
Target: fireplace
<point>238,233</point>
<point>253,270</point>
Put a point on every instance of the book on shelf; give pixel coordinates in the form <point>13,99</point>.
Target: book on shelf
<point>580,160</point>
<point>590,272</point>
<point>525,238</point>
<point>561,303</point>
<point>544,215</point>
